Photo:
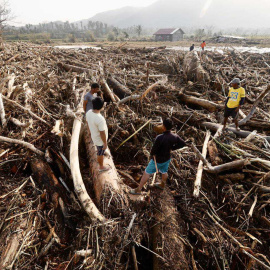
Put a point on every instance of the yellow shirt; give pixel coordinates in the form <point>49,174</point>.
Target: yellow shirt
<point>235,96</point>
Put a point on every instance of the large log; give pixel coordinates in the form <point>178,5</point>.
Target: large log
<point>166,241</point>
<point>105,179</point>
<point>206,104</point>
<point>193,68</point>
<point>119,89</point>
<point>77,69</point>
<point>79,186</point>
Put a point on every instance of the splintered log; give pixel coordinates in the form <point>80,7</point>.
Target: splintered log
<point>15,243</point>
<point>119,89</point>
<point>213,153</point>
<point>169,250</point>
<point>241,133</point>
<point>102,180</point>
<point>206,104</point>
<point>44,176</point>
<point>193,68</point>
<point>87,203</point>
<point>2,112</point>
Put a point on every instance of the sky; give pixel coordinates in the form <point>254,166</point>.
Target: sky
<point>37,11</point>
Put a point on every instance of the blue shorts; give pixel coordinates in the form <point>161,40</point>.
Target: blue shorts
<point>100,151</point>
<point>162,167</point>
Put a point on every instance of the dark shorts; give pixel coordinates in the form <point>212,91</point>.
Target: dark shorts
<point>100,151</point>
<point>230,112</point>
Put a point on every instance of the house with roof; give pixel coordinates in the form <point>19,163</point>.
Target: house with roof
<point>169,34</point>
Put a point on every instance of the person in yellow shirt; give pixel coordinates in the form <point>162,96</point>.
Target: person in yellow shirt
<point>235,99</point>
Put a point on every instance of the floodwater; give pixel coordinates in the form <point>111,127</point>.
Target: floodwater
<point>219,49</point>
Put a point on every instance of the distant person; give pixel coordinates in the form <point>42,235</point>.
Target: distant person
<point>87,104</point>
<point>191,48</point>
<point>203,45</point>
<point>161,156</point>
<point>99,130</point>
<point>235,99</point>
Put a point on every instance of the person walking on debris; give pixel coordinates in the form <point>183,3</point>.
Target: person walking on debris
<point>161,156</point>
<point>203,44</point>
<point>191,48</point>
<point>235,99</point>
<point>99,130</point>
<point>87,104</point>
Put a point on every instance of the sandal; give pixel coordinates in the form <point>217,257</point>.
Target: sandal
<point>158,186</point>
<point>134,192</point>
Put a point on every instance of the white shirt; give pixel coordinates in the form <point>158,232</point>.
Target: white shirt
<point>96,123</point>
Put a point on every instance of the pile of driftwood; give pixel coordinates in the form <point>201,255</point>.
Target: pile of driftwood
<point>58,212</point>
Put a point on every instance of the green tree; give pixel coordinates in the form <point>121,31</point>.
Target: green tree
<point>139,30</point>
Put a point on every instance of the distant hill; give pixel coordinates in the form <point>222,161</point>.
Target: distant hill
<point>191,13</point>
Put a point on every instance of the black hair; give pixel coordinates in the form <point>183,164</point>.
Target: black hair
<point>95,85</point>
<point>168,123</point>
<point>98,103</point>
<point>204,41</point>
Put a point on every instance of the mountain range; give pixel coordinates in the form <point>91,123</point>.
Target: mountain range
<point>191,13</point>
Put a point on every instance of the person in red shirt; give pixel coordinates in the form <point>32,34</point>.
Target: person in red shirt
<point>203,45</point>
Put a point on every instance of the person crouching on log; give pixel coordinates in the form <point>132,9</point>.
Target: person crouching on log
<point>99,130</point>
<point>235,99</point>
<point>161,156</point>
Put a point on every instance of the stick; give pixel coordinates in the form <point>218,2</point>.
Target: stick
<point>133,134</point>
<point>266,176</point>
<point>25,109</point>
<point>25,144</point>
<point>163,81</point>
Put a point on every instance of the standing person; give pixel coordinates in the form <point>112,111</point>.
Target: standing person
<point>235,99</point>
<point>161,156</point>
<point>203,44</point>
<point>87,104</point>
<point>99,130</point>
<point>191,48</point>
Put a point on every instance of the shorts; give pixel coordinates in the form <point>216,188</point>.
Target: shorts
<point>162,167</point>
<point>100,151</point>
<point>230,112</point>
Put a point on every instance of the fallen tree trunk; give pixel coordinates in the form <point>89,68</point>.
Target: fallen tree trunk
<point>165,234</point>
<point>119,89</point>
<point>242,133</point>
<point>79,186</point>
<point>105,179</point>
<point>206,104</point>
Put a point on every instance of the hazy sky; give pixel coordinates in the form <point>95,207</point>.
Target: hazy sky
<point>36,11</point>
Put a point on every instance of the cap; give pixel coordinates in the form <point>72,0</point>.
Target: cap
<point>236,80</point>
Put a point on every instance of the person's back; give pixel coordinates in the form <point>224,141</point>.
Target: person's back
<point>191,48</point>
<point>203,45</point>
<point>164,144</point>
<point>96,123</point>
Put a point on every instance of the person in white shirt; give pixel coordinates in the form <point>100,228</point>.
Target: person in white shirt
<point>99,130</point>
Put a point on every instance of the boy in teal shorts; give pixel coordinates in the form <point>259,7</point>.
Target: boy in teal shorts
<point>161,156</point>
